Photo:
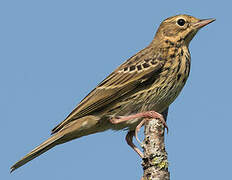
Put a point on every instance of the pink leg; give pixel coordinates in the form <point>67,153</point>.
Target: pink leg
<point>137,129</point>
<point>129,140</point>
<point>147,114</point>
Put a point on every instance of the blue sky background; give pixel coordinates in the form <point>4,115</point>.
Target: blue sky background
<point>54,52</point>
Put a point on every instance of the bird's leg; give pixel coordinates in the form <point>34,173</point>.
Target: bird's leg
<point>147,114</point>
<point>137,129</point>
<point>129,140</point>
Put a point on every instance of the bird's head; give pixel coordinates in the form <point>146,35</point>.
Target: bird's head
<point>180,28</point>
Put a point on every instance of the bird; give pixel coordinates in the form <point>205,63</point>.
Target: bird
<point>142,87</point>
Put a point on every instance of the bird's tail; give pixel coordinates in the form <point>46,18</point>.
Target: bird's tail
<point>45,146</point>
<point>75,129</point>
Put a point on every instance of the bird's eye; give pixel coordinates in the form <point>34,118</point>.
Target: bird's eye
<point>181,22</point>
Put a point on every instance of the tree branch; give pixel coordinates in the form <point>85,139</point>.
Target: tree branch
<point>155,163</point>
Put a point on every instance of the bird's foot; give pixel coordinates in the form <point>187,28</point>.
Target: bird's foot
<point>129,140</point>
<point>148,116</point>
<point>154,115</point>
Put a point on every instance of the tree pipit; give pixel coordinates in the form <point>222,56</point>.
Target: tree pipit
<point>142,87</point>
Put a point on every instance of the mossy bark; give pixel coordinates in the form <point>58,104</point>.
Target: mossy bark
<point>155,162</point>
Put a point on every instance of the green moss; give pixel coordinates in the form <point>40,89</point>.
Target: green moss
<point>163,164</point>
<point>160,162</point>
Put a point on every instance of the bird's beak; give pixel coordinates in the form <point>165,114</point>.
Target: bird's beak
<point>202,23</point>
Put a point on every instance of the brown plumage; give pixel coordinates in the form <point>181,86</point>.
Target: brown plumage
<point>148,81</point>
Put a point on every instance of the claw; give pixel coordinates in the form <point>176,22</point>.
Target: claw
<point>129,140</point>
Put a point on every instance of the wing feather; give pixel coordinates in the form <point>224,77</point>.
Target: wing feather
<point>123,80</point>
